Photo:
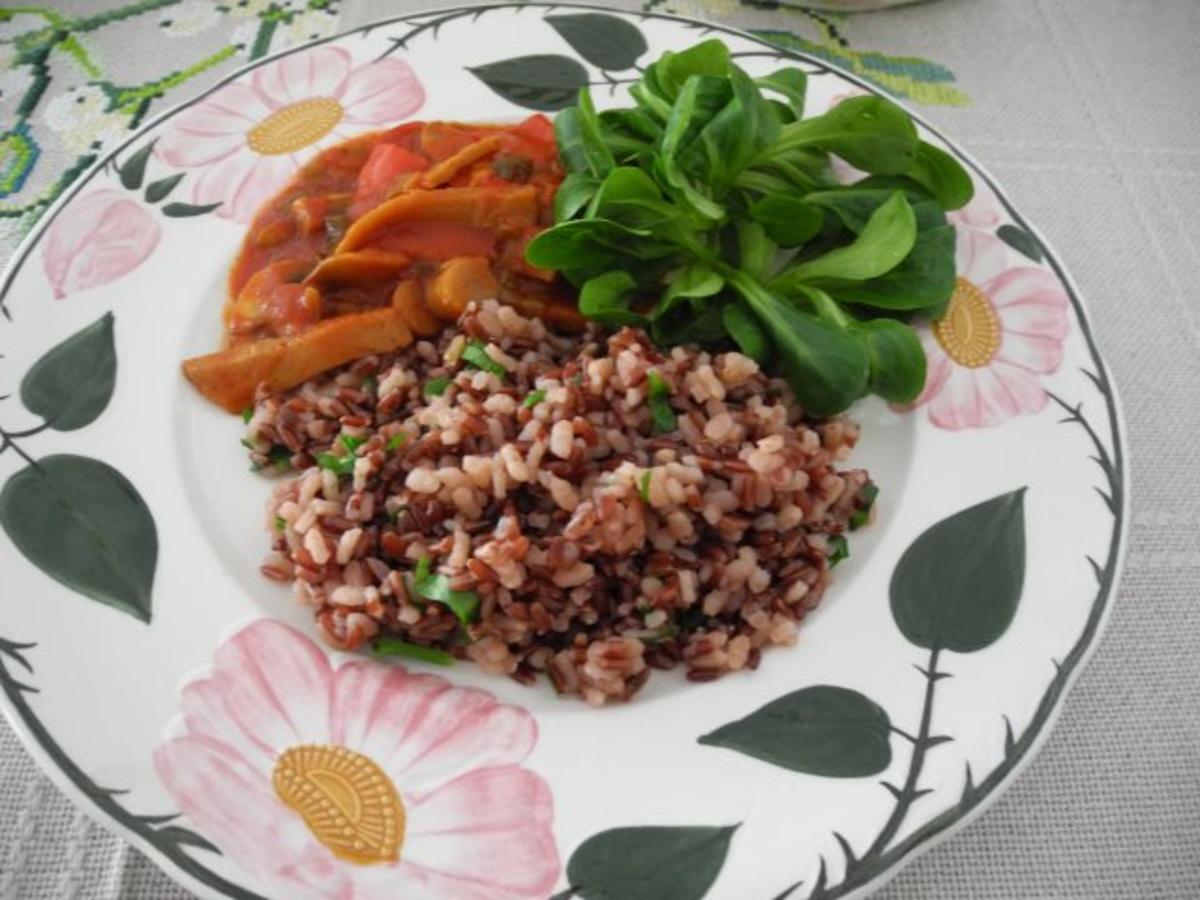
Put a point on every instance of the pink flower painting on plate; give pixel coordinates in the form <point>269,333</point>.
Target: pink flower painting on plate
<point>96,239</point>
<point>359,782</point>
<point>1003,330</point>
<point>250,136</point>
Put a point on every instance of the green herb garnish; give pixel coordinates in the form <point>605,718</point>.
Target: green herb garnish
<point>393,647</point>
<point>280,523</point>
<point>707,211</point>
<point>281,458</point>
<point>396,440</point>
<point>839,549</point>
<point>351,443</point>
<point>435,387</point>
<point>436,587</point>
<point>644,486</point>
<point>247,414</point>
<point>662,417</point>
<point>370,383</point>
<point>866,496</point>
<point>338,465</point>
<point>475,354</point>
<point>247,444</point>
<point>533,398</point>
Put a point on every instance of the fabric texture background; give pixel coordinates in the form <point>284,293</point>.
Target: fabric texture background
<point>1086,111</point>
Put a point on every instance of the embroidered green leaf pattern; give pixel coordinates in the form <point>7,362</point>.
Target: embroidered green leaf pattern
<point>957,586</point>
<point>545,82</point>
<point>81,522</point>
<point>819,730</point>
<point>649,863</point>
<point>604,41</point>
<point>72,383</point>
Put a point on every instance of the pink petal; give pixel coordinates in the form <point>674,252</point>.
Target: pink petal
<point>1023,392</point>
<point>1029,287</point>
<point>242,183</point>
<point>486,834</point>
<point>420,730</point>
<point>276,684</point>
<point>381,93</point>
<point>98,238</point>
<point>937,370</point>
<point>184,149</point>
<point>1030,351</point>
<point>206,716</point>
<point>319,72</point>
<point>213,128</point>
<point>235,807</point>
<point>979,256</point>
<point>958,404</point>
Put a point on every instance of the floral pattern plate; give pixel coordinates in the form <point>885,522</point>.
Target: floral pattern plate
<point>178,696</point>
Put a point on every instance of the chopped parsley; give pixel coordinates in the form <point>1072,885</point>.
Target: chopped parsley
<point>464,604</point>
<point>351,443</point>
<point>338,465</point>
<point>396,440</point>
<point>866,496</point>
<point>435,387</point>
<point>393,647</point>
<point>662,417</point>
<point>247,413</point>
<point>475,354</point>
<point>533,398</point>
<point>644,486</point>
<point>281,458</point>
<point>839,549</point>
<point>280,523</point>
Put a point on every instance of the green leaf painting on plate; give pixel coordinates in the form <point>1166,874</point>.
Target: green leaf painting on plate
<point>820,730</point>
<point>604,41</point>
<point>78,519</point>
<point>72,382</point>
<point>1021,241</point>
<point>544,81</point>
<point>957,586</point>
<point>649,863</point>
<point>81,522</point>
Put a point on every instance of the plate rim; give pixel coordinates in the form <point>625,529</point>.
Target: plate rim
<point>1119,541</point>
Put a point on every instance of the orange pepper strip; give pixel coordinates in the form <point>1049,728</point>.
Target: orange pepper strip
<point>230,377</point>
<point>468,155</point>
<point>506,211</point>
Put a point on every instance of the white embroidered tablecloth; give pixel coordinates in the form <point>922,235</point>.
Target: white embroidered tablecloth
<point>1086,110</point>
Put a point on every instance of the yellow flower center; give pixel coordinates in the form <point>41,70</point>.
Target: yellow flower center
<point>970,330</point>
<point>295,126</point>
<point>345,799</point>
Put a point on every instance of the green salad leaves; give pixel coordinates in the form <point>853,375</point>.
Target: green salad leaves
<point>709,212</point>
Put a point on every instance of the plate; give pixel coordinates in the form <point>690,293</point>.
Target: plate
<point>158,678</point>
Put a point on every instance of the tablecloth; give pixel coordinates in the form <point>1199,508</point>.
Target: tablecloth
<point>1087,111</point>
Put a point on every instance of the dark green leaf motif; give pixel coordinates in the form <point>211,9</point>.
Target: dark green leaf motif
<point>81,522</point>
<point>957,586</point>
<point>186,210</point>
<point>133,170</point>
<point>1021,241</point>
<point>157,190</point>
<point>72,383</point>
<point>649,863</point>
<point>820,730</point>
<point>604,41</point>
<point>546,82</point>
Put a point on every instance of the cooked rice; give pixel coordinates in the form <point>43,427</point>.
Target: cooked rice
<point>599,550</point>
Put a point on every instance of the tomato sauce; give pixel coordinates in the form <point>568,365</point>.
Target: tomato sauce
<point>275,286</point>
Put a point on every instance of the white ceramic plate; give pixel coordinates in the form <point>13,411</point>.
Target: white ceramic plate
<point>134,533</point>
